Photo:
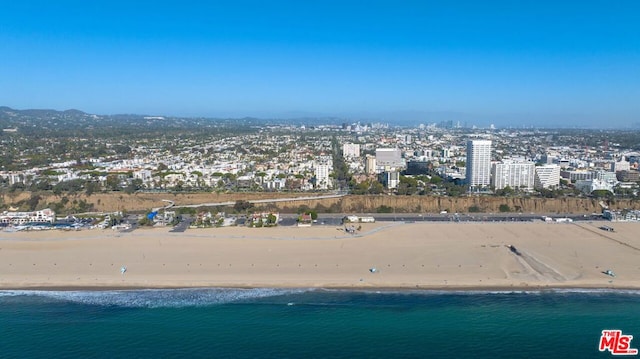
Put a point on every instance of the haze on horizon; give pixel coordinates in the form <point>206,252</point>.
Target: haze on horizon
<point>508,63</point>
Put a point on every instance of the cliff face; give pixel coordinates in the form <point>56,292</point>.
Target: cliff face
<point>348,204</point>
<point>462,204</point>
<point>427,204</point>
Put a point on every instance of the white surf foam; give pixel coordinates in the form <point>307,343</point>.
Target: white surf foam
<point>155,298</point>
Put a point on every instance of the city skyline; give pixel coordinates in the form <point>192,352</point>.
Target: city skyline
<point>537,63</point>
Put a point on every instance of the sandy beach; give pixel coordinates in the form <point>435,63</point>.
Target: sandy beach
<point>405,255</point>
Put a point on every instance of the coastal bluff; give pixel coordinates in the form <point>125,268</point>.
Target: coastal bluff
<point>117,201</point>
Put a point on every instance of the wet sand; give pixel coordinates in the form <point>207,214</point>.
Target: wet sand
<point>412,255</point>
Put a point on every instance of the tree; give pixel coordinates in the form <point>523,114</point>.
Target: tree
<point>134,185</point>
<point>454,190</point>
<point>407,186</point>
<point>242,206</point>
<point>43,184</point>
<point>271,219</point>
<point>314,214</point>
<point>504,208</point>
<point>384,209</point>
<point>112,182</point>
<point>33,201</point>
<point>91,187</point>
<point>506,191</point>
<point>474,209</point>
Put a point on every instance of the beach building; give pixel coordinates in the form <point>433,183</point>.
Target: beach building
<point>305,220</point>
<point>478,167</point>
<point>264,219</point>
<point>19,218</point>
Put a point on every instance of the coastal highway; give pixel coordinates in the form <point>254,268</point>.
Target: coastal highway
<point>335,219</point>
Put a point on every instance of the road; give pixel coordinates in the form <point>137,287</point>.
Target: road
<point>335,219</point>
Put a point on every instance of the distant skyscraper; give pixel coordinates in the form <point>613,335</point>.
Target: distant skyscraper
<point>478,163</point>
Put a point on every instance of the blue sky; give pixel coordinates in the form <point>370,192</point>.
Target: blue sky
<point>575,63</point>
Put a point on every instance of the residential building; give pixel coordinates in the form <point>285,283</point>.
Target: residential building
<point>418,167</point>
<point>621,165</point>
<point>389,157</point>
<point>588,186</point>
<point>323,181</point>
<point>574,176</point>
<point>351,150</point>
<point>478,163</point>
<point>605,176</point>
<point>628,176</point>
<point>389,179</point>
<point>515,174</point>
<point>370,164</point>
<point>547,176</point>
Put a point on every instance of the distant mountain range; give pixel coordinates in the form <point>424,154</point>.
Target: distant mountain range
<point>406,118</point>
<point>9,115</point>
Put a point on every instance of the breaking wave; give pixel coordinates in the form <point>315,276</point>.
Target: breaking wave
<point>155,298</point>
<point>194,297</point>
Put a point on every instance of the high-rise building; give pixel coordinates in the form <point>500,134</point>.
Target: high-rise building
<point>389,179</point>
<point>370,164</point>
<point>389,157</point>
<point>350,150</point>
<point>323,180</point>
<point>323,166</point>
<point>478,163</point>
<point>547,176</point>
<point>515,174</point>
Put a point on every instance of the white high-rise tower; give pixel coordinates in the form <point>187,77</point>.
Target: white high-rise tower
<point>478,163</point>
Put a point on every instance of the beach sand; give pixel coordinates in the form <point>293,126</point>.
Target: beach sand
<point>405,255</point>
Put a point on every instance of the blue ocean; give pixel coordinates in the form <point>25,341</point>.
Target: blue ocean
<point>312,323</point>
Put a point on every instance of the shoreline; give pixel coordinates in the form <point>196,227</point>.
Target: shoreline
<point>453,288</point>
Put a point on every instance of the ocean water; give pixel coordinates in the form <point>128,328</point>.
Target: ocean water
<point>281,323</point>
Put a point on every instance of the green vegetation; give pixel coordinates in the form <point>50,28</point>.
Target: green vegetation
<point>384,209</point>
<point>475,209</point>
<point>368,187</point>
<point>242,206</point>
